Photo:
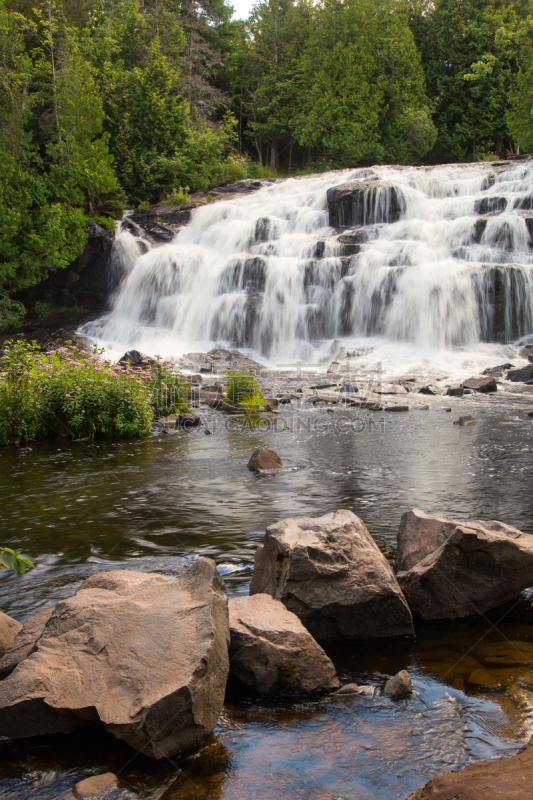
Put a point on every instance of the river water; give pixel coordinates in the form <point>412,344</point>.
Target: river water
<point>149,504</point>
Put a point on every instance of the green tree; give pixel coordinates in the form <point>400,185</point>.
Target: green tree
<point>470,114</point>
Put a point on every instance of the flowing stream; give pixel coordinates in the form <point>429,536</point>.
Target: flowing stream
<point>430,259</point>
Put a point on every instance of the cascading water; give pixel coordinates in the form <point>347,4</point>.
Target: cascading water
<point>438,258</point>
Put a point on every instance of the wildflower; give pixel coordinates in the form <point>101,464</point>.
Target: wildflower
<point>67,395</point>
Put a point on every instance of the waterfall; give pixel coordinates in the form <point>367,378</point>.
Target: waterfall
<point>436,257</point>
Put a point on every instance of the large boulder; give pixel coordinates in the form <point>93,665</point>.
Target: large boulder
<point>330,573</point>
<point>24,642</point>
<point>145,654</point>
<point>364,203</point>
<point>479,565</point>
<point>522,375</point>
<point>9,628</point>
<point>483,385</point>
<point>504,779</point>
<point>418,536</point>
<point>264,460</point>
<point>272,652</point>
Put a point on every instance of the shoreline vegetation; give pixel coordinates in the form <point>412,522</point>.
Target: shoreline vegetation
<point>130,104</point>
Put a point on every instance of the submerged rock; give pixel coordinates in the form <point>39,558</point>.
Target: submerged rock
<point>399,686</point>
<point>272,652</point>
<point>97,787</point>
<point>504,779</point>
<point>264,460</point>
<point>430,389</point>
<point>9,628</point>
<point>24,642</point>
<point>331,574</point>
<point>145,654</point>
<point>364,203</point>
<point>477,566</point>
<point>468,420</point>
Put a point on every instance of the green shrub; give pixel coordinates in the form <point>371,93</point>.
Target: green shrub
<point>42,308</point>
<point>70,392</point>
<point>177,197</point>
<point>240,384</point>
<point>252,403</point>
<point>11,313</point>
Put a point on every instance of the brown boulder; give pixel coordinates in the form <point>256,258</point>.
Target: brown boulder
<point>145,654</point>
<point>24,642</point>
<point>265,460</point>
<point>468,420</point>
<point>418,536</point>
<point>272,652</point>
<point>479,565</point>
<point>522,375</point>
<point>504,779</point>
<point>483,385</point>
<point>330,573</point>
<point>9,628</point>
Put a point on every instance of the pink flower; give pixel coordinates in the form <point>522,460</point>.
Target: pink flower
<point>67,395</point>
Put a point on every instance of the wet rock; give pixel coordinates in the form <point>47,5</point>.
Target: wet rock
<point>468,420</point>
<point>271,405</point>
<point>421,408</point>
<point>483,385</point>
<point>430,389</point>
<point>497,372</point>
<point>446,409</point>
<point>391,388</point>
<point>145,654</point>
<point>396,408</point>
<point>364,203</point>
<point>97,787</point>
<point>479,566</point>
<point>455,391</point>
<point>348,388</point>
<point>484,679</point>
<point>187,420</point>
<point>522,375</point>
<point>490,205</point>
<point>137,359</point>
<point>347,689</point>
<point>9,628</point>
<point>223,405</point>
<point>24,642</point>
<point>525,352</point>
<point>399,686</point>
<point>419,535</point>
<point>331,574</point>
<point>264,460</point>
<point>505,779</point>
<point>272,652</point>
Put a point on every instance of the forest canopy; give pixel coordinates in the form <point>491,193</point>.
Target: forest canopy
<point>106,104</point>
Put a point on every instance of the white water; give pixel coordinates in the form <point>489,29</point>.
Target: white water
<point>430,289</point>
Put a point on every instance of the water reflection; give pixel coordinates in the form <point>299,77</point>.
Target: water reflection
<point>154,503</point>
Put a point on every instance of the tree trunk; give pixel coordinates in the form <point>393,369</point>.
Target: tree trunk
<point>273,152</point>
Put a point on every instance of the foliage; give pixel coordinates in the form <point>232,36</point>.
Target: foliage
<point>469,109</point>
<point>11,313</point>
<point>252,403</point>
<point>11,560</point>
<point>177,197</point>
<point>70,392</point>
<point>241,384</point>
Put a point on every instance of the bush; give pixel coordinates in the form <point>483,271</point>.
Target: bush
<point>11,313</point>
<point>177,197</point>
<point>241,384</point>
<point>70,392</point>
<point>252,403</point>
